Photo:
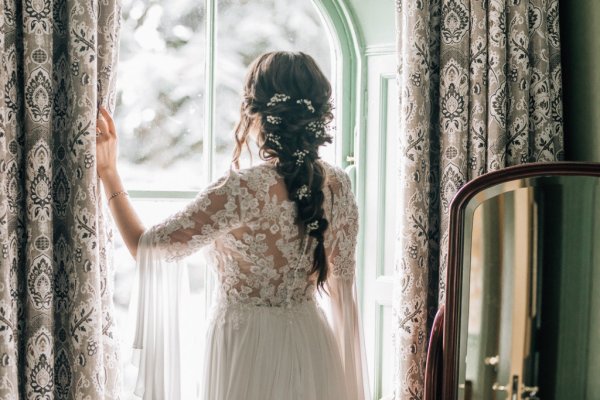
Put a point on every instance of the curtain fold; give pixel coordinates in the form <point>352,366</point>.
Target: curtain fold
<point>480,90</point>
<point>56,324</point>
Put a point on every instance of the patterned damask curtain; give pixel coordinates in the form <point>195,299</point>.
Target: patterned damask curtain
<point>56,324</point>
<point>480,90</point>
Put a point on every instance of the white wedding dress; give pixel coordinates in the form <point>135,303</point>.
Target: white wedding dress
<point>268,337</point>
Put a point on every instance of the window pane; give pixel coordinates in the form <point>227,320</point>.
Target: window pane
<point>160,103</point>
<point>245,30</point>
<point>152,212</point>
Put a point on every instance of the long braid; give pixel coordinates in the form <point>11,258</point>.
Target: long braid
<point>287,99</point>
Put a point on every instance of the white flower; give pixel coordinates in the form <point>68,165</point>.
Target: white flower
<point>303,192</point>
<point>274,140</point>
<point>307,103</point>
<point>313,226</point>
<point>316,127</point>
<point>273,120</point>
<point>278,98</point>
<point>299,155</point>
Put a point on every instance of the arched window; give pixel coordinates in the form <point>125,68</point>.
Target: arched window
<point>180,74</point>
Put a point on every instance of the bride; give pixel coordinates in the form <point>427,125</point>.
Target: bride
<point>278,234</point>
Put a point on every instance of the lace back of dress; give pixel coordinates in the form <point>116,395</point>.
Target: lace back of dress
<point>298,274</point>
<point>261,256</point>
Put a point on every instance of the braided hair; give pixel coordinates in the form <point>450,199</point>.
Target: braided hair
<point>287,101</point>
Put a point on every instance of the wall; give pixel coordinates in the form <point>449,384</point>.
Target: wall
<point>580,33</point>
<point>376,20</point>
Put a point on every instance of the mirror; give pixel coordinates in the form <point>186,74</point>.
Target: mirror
<point>522,314</point>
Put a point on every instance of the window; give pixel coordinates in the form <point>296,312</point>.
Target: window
<point>379,212</point>
<point>181,68</point>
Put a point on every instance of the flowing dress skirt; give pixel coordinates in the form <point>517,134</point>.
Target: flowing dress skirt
<point>269,353</point>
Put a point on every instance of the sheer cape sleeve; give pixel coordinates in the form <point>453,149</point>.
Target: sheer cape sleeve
<point>162,288</point>
<point>161,291</point>
<point>341,288</point>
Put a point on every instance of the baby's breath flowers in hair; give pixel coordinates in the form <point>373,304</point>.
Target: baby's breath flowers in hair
<point>307,103</point>
<point>313,226</point>
<point>270,137</point>
<point>299,156</point>
<point>317,128</point>
<point>278,98</point>
<point>303,192</point>
<point>274,120</point>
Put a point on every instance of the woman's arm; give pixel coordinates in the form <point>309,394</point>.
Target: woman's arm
<point>127,220</point>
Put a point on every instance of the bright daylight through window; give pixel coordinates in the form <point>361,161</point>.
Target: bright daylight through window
<point>161,117</point>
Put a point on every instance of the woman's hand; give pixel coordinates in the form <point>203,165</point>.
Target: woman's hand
<point>106,144</point>
<point>124,215</point>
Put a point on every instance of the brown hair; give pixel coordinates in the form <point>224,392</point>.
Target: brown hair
<point>288,100</point>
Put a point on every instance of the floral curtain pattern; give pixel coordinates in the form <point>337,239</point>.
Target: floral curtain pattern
<point>480,90</point>
<point>56,327</point>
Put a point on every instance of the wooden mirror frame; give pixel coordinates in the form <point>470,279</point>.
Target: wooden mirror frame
<point>441,371</point>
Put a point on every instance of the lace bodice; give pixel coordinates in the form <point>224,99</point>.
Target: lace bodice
<point>259,253</point>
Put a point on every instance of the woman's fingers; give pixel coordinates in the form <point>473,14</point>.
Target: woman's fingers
<point>101,126</point>
<point>107,118</point>
<point>106,143</point>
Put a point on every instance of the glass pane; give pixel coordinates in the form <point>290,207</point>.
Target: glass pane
<point>160,105</point>
<point>152,212</point>
<point>247,29</point>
